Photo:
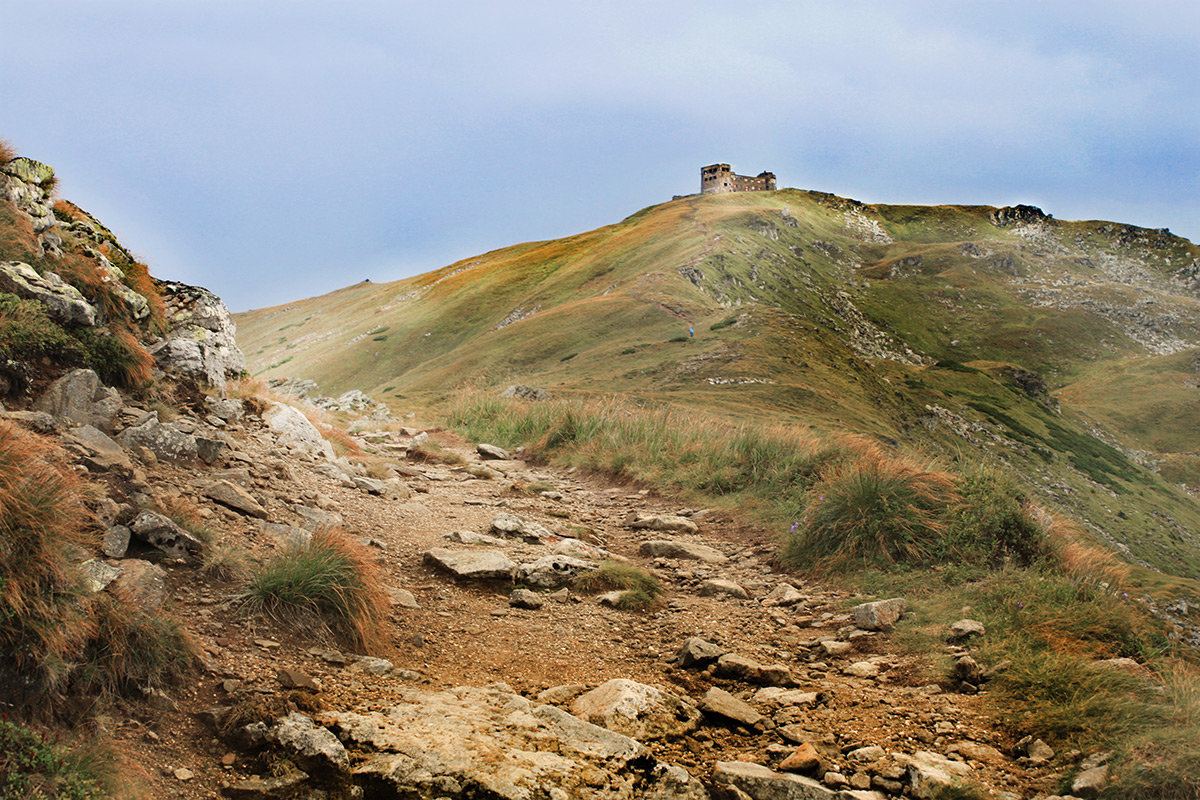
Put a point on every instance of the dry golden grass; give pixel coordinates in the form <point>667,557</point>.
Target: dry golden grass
<point>7,151</point>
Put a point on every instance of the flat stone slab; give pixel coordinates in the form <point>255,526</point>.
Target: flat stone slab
<point>761,783</point>
<point>722,704</point>
<point>682,550</point>
<point>475,564</point>
<point>235,497</point>
<point>637,710</point>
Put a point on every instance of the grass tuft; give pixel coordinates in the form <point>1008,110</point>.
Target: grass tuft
<point>35,765</point>
<point>640,589</point>
<point>333,579</point>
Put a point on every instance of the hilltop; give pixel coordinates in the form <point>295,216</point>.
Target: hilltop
<point>1067,350</point>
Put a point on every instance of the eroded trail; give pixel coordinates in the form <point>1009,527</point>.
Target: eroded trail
<point>835,703</point>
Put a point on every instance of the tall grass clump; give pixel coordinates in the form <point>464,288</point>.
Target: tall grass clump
<point>118,358</point>
<point>871,511</point>
<point>132,650</point>
<point>639,589</point>
<point>27,333</point>
<point>332,580</point>
<point>1164,760</point>
<point>43,616</point>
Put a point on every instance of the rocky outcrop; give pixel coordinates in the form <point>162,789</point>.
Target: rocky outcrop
<point>292,429</point>
<point>80,397</point>
<point>201,343</point>
<point>1018,214</point>
<point>29,185</point>
<point>64,303</point>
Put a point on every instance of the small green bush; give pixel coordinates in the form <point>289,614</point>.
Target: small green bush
<point>117,358</point>
<point>331,578</point>
<point>35,767</point>
<point>679,338</point>
<point>993,523</point>
<point>26,333</point>
<point>641,590</point>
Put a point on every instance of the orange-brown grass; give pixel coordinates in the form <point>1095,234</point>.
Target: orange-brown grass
<point>42,521</point>
<point>119,358</point>
<point>18,242</point>
<point>7,151</point>
<point>343,443</point>
<point>333,580</point>
<point>137,277</point>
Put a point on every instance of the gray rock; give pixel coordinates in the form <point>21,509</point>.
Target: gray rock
<point>511,526</point>
<point>578,548</point>
<point>749,670</point>
<point>315,519</point>
<point>159,531</point>
<point>470,537</point>
<point>682,550</point>
<point>784,594</point>
<point>832,647</point>
<point>313,747</point>
<point>288,536</point>
<point>235,497</point>
<point>526,393</point>
<point>202,340</point>
<point>210,451</point>
<point>402,597</point>
<point>368,485</point>
<point>696,652</point>
<point>231,410</point>
<point>95,442</point>
<point>80,397</point>
<point>550,572</point>
<point>64,303</point>
<point>474,564</point>
<point>930,774</point>
<point>449,743</point>
<point>524,598</point>
<point>967,670</point>
<point>142,582</point>
<point>720,586</point>
<point>965,629</point>
<point>493,453</point>
<point>99,574</point>
<point>637,710</point>
<point>880,615</point>
<point>280,787</point>
<point>760,783</point>
<point>564,693</point>
<point>861,669</point>
<point>115,542</point>
<point>776,697</point>
<point>292,429</point>
<point>662,522</point>
<point>1039,752</point>
<point>1090,782</point>
<point>38,421</point>
<point>161,439</point>
<point>721,703</point>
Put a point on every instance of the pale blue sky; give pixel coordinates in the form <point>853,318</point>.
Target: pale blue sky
<point>277,149</point>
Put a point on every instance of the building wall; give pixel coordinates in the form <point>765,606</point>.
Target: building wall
<point>718,178</point>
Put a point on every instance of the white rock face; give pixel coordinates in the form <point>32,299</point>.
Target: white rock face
<point>636,710</point>
<point>202,342</point>
<point>63,302</point>
<point>292,429</point>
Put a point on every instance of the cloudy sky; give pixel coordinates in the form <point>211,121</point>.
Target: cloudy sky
<point>277,149</point>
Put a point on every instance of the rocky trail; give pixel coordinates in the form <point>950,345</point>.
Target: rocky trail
<point>741,682</point>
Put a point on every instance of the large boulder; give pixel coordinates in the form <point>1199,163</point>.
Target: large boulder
<point>159,531</point>
<point>64,303</point>
<point>314,748</point>
<point>489,742</point>
<point>636,710</point>
<point>202,340</point>
<point>292,429</point>
<point>80,397</point>
<point>161,438</point>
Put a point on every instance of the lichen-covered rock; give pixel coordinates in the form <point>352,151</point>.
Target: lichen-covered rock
<point>161,438</point>
<point>472,564</point>
<point>29,186</point>
<point>489,742</point>
<point>80,397</point>
<point>201,343</point>
<point>292,429</point>
<point>637,710</point>
<point>159,531</point>
<point>550,572</point>
<point>64,303</point>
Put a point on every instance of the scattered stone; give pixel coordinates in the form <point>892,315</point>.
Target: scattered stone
<point>183,774</point>
<point>776,697</point>
<point>287,536</point>
<point>636,710</point>
<point>737,666</point>
<point>977,751</point>
<point>211,451</point>
<point>784,594</point>
<point>867,754</point>
<point>115,542</point>
<point>580,549</point>
<point>142,582</point>
<point>721,703</point>
<point>964,629</point>
<point>1038,752</point>
<point>833,647</point>
<point>558,695</point>
<point>315,519</point>
<point>1090,782</point>
<point>470,537</point>
<point>696,652</point>
<point>374,665</point>
<point>159,531</point>
<point>162,439</point>
<point>297,679</point>
<point>402,597</point>
<point>665,522</point>
<point>930,774</point>
<point>492,453</point>
<point>81,397</point>
<point>760,783</point>
<point>511,526</point>
<point>716,586</point>
<point>313,747</point>
<point>368,485</point>
<point>682,550</point>
<point>862,669</point>
<point>880,615</point>
<point>523,392</point>
<point>235,497</point>
<point>524,598</point>
<point>279,787</point>
<point>551,572</point>
<point>474,564</point>
<point>804,758</point>
<point>968,671</point>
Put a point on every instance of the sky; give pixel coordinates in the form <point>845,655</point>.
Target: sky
<point>272,150</point>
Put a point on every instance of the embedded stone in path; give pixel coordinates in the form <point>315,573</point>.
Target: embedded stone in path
<point>475,564</point>
<point>783,594</point>
<point>760,783</point>
<point>682,550</point>
<point>930,774</point>
<point>721,703</point>
<point>492,453</point>
<point>637,710</point>
<point>161,532</point>
<point>235,497</point>
<point>718,586</point>
<point>509,525</point>
<point>965,629</point>
<point>662,522</point>
<point>737,666</point>
<point>880,615</point>
<point>551,572</point>
<point>696,652</point>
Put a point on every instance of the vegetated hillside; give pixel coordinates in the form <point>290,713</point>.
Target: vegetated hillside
<point>1067,349</point>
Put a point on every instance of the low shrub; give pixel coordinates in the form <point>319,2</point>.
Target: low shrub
<point>26,333</point>
<point>333,580</point>
<point>118,358</point>
<point>993,523</point>
<point>640,589</point>
<point>872,510</point>
<point>225,561</point>
<point>131,649</point>
<point>34,765</point>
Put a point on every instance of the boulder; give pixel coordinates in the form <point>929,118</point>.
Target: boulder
<point>159,531</point>
<point>930,775</point>
<point>663,522</point>
<point>142,582</point>
<point>721,703</point>
<point>292,429</point>
<point>776,697</point>
<point>472,564</point>
<point>696,652</point>
<point>202,340</point>
<point>578,548</point>
<point>832,647</point>
<point>880,615</point>
<point>312,747</point>
<point>80,397</point>
<point>316,519</point>
<point>720,586</point>
<point>553,571</point>
<point>682,550</point>
<point>160,438</point>
<point>235,497</point>
<point>489,742</point>
<point>211,451</point>
<point>637,710</point>
<point>63,303</point>
<point>861,669</point>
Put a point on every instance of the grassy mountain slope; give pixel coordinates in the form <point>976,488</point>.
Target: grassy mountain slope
<point>1065,349</point>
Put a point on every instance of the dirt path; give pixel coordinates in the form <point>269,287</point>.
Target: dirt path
<point>466,633</point>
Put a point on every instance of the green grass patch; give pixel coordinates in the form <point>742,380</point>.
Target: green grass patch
<point>36,766</point>
<point>639,589</point>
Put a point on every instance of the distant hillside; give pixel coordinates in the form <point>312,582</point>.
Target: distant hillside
<point>1070,350</point>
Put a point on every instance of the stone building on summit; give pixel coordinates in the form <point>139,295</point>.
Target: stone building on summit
<point>717,178</point>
